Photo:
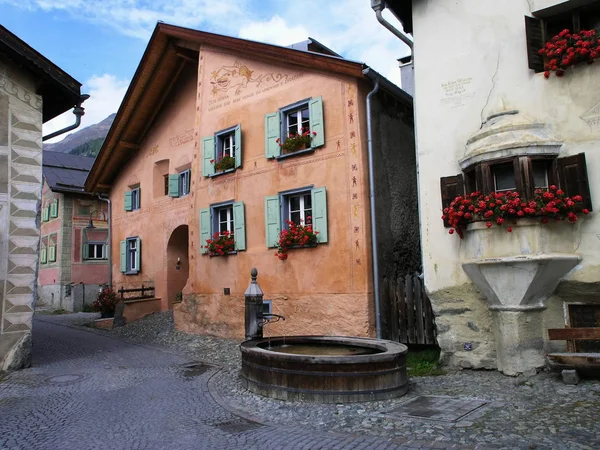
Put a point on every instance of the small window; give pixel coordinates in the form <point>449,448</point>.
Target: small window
<point>222,152</point>
<point>166,178</point>
<point>295,129</point>
<point>132,199</point>
<point>540,174</point>
<point>504,177</point>
<point>96,250</point>
<point>225,145</point>
<point>131,255</point>
<point>299,208</point>
<point>223,218</point>
<point>184,183</point>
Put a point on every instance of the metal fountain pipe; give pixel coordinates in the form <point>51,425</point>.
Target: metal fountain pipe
<point>254,308</point>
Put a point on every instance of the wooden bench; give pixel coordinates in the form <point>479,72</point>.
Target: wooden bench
<point>588,363</point>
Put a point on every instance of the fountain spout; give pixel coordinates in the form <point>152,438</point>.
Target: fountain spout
<point>268,318</point>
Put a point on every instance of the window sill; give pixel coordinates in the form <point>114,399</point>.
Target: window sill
<point>219,256</point>
<point>216,174</point>
<point>131,272</point>
<point>296,153</point>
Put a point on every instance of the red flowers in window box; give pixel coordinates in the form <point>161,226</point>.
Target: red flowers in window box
<point>567,49</point>
<point>297,141</point>
<point>295,236</point>
<point>225,163</point>
<point>498,207</point>
<point>220,244</point>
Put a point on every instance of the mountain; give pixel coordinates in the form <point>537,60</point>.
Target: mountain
<point>85,141</point>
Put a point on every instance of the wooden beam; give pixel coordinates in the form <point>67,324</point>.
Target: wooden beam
<point>187,54</point>
<point>574,334</point>
<point>130,145</point>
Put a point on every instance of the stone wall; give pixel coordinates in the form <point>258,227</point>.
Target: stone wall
<point>20,194</point>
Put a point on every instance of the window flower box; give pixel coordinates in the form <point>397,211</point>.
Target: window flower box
<point>296,236</point>
<point>221,244</point>
<point>567,49</point>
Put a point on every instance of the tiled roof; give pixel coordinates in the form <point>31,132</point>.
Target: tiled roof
<point>64,172</point>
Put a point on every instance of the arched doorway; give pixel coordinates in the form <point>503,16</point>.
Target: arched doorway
<point>178,267</point>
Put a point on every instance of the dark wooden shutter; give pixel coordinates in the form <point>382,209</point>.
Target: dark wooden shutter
<point>524,177</point>
<point>534,32</point>
<point>451,187</point>
<point>573,179</point>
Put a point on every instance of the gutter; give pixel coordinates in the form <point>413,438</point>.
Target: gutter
<point>374,250</point>
<point>79,111</point>
<point>107,200</point>
<point>378,6</point>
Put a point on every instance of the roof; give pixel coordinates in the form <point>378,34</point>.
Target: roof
<point>402,9</point>
<point>59,90</point>
<point>312,45</point>
<point>170,49</point>
<point>64,172</point>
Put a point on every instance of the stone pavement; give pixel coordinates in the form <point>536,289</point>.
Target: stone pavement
<point>90,390</point>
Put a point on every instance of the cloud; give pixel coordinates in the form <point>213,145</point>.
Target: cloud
<point>106,93</point>
<point>273,31</point>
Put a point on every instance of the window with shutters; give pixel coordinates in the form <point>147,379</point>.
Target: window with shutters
<point>178,184</point>
<point>54,209</point>
<point>51,248</point>
<point>523,174</point>
<point>295,129</point>
<point>223,219</point>
<point>550,22</point>
<point>222,152</point>
<point>95,251</point>
<point>184,182</point>
<point>132,200</point>
<point>298,206</point>
<point>131,252</point>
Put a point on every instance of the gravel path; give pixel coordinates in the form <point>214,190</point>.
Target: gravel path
<point>536,412</point>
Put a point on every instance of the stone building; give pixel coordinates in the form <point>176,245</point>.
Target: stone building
<point>489,119</point>
<point>32,91</point>
<point>198,98</point>
<point>73,255</point>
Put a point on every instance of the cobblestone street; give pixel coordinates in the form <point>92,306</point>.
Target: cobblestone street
<point>90,389</point>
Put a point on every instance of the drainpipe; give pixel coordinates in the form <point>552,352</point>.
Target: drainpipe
<point>373,221</point>
<point>79,111</point>
<point>378,6</point>
<point>107,200</point>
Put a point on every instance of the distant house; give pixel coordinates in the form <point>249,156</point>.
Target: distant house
<point>73,256</point>
<point>490,120</point>
<point>32,91</point>
<point>194,153</point>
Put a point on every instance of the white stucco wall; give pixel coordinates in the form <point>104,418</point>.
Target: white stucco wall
<point>478,68</point>
<point>470,62</point>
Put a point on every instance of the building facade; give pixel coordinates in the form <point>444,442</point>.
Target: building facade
<point>73,256</point>
<point>492,121</point>
<point>204,158</point>
<point>32,91</point>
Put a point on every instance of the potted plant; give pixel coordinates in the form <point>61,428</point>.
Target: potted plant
<point>106,303</point>
<point>295,236</point>
<point>498,207</point>
<point>567,49</point>
<point>296,141</point>
<point>224,163</point>
<point>221,244</point>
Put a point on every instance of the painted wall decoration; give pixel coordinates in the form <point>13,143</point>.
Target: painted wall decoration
<point>238,76</point>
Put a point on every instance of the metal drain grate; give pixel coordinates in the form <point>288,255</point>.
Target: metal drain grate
<point>236,426</point>
<point>447,409</point>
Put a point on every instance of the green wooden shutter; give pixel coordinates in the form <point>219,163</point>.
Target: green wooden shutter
<point>239,226</point>
<point>43,256</point>
<point>272,133</point>
<point>204,229</point>
<point>52,253</point>
<point>54,209</point>
<point>86,251</point>
<point>138,254</point>
<point>208,155</point>
<point>317,124</point>
<point>123,256</point>
<point>319,213</point>
<point>45,214</point>
<point>174,185</point>
<point>127,203</point>
<point>238,146</point>
<point>272,220</point>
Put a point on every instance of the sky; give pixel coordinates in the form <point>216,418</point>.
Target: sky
<point>100,42</point>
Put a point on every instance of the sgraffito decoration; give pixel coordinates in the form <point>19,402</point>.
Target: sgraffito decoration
<point>238,76</point>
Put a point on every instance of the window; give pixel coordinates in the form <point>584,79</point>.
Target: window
<point>222,217</point>
<point>523,174</point>
<point>52,248</point>
<point>166,179</point>
<point>132,199</point>
<point>222,152</point>
<point>179,184</point>
<point>131,250</point>
<point>43,254</point>
<point>54,209</point>
<point>297,206</point>
<point>550,22</point>
<point>94,250</point>
<point>45,213</point>
<point>305,115</point>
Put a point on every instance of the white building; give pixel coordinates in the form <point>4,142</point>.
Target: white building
<point>489,119</point>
